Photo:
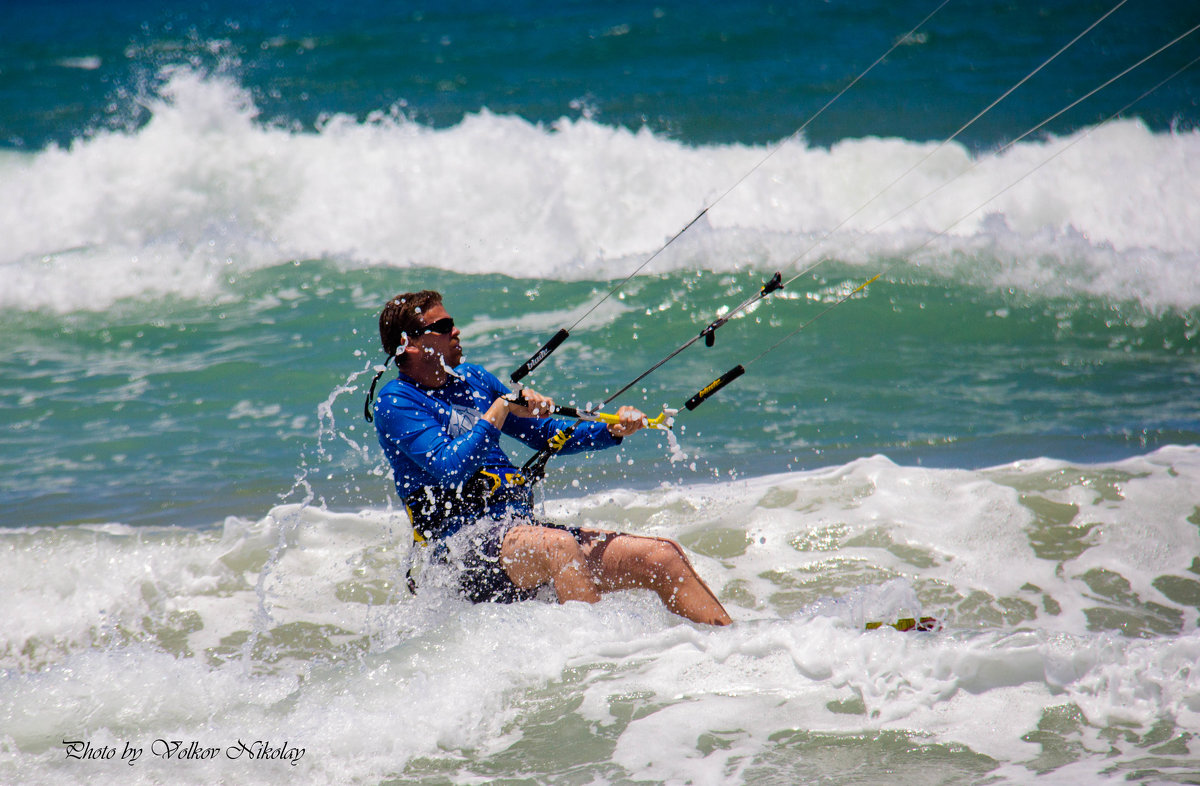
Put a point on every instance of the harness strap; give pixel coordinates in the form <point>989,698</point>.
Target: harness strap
<point>438,512</point>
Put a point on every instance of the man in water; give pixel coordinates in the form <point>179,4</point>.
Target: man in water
<point>439,424</point>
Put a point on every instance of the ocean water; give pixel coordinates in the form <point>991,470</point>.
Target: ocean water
<point>203,208</point>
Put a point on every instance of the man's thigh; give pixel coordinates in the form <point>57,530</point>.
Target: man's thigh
<point>619,560</point>
<point>531,554</point>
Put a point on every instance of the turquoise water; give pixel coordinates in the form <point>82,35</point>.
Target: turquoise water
<point>203,209</point>
<point>210,411</point>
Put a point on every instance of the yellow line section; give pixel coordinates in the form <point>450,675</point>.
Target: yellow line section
<point>660,421</point>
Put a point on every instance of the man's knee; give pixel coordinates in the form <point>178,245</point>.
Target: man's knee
<point>664,558</point>
<point>562,546</point>
<point>533,555</point>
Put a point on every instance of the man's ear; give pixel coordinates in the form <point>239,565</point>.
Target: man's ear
<point>406,351</point>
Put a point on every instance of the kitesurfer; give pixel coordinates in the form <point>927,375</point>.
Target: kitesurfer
<point>439,423</point>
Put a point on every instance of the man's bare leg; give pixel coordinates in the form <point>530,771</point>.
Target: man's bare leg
<point>533,556</point>
<point>608,562</point>
<point>621,561</point>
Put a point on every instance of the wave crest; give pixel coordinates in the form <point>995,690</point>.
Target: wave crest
<point>205,192</point>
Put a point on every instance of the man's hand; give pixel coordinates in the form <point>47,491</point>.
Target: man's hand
<point>630,421</point>
<point>531,404</point>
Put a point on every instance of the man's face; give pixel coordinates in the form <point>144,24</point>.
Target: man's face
<point>438,344</point>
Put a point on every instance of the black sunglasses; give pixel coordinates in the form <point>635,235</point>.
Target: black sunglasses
<point>444,326</point>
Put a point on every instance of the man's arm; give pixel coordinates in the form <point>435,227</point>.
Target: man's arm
<point>414,429</point>
<point>528,423</point>
<point>585,436</point>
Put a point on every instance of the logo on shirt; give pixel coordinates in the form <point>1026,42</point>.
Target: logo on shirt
<point>462,420</point>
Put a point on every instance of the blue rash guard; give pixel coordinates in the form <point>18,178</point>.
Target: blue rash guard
<point>436,439</point>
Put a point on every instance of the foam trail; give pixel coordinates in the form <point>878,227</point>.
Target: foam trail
<point>1067,593</point>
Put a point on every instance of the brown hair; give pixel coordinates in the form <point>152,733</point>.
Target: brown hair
<point>401,317</point>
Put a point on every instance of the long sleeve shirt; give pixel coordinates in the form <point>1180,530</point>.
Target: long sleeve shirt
<point>437,437</point>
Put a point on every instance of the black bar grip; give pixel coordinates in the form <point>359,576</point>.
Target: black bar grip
<point>712,387</point>
<point>518,398</point>
<point>536,358</point>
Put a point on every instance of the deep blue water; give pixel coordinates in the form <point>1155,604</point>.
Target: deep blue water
<point>724,72</point>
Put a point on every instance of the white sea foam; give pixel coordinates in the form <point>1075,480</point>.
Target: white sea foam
<point>84,63</point>
<point>1067,592</point>
<point>205,192</point>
